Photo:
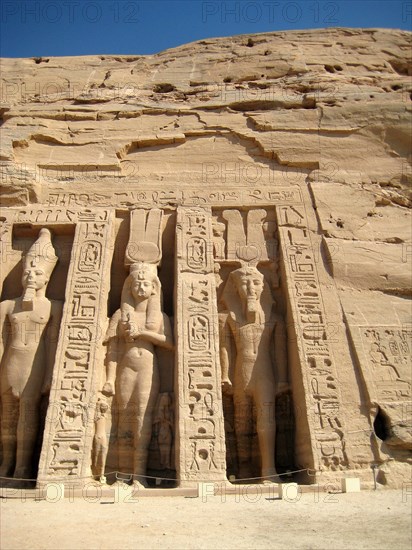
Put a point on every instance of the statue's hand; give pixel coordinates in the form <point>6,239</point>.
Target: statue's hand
<point>227,387</point>
<point>130,330</point>
<point>108,389</point>
<point>134,332</point>
<point>282,387</point>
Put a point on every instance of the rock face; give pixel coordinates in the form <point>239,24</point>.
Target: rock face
<point>233,213</point>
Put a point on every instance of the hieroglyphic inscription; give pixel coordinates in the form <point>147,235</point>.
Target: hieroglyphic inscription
<point>6,246</point>
<point>70,418</point>
<point>200,422</point>
<point>324,403</point>
<point>36,215</point>
<point>388,352</point>
<point>388,377</point>
<point>149,198</point>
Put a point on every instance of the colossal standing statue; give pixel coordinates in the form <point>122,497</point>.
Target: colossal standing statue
<point>132,371</point>
<point>260,369</point>
<point>29,328</point>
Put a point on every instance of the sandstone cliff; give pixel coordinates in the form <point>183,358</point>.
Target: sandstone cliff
<point>326,110</point>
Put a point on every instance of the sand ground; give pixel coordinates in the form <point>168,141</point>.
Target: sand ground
<point>247,520</point>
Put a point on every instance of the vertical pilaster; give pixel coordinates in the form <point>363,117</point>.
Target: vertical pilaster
<point>200,443</point>
<point>68,435</point>
<point>320,430</point>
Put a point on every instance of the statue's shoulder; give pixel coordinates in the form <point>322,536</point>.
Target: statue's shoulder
<point>115,318</point>
<point>7,306</point>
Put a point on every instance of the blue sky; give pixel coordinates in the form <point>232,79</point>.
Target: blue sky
<point>35,28</point>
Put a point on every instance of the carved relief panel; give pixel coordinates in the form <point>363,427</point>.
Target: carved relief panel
<point>385,352</point>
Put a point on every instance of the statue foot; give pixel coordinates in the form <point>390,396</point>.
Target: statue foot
<point>140,483</point>
<point>273,481</point>
<point>98,480</point>
<point>270,476</point>
<point>121,482</point>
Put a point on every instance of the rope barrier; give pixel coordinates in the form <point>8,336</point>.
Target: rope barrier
<point>130,477</point>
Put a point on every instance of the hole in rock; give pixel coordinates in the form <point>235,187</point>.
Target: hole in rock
<point>164,88</point>
<point>380,425</point>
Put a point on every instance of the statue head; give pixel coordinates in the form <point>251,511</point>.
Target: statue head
<point>102,405</point>
<point>249,285</point>
<point>34,278</point>
<point>143,281</point>
<point>141,285</point>
<point>38,265</point>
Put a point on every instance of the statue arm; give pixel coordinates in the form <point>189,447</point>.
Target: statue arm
<point>53,331</point>
<point>4,310</point>
<point>169,344</point>
<point>112,342</point>
<point>280,353</point>
<point>225,347</point>
<point>163,338</point>
<point>111,366</point>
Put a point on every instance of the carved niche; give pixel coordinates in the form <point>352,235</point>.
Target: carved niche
<point>253,345</point>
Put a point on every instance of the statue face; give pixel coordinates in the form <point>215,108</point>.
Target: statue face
<point>103,407</point>
<point>34,277</point>
<point>249,286</point>
<point>142,289</point>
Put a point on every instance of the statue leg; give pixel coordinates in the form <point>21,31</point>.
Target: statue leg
<point>126,412</point>
<point>165,449</point>
<point>142,442</point>
<point>27,431</point>
<point>9,420</point>
<point>243,429</point>
<point>126,427</point>
<point>266,429</point>
<point>143,434</point>
<point>100,446</point>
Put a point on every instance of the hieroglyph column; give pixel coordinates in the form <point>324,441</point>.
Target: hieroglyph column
<point>320,435</point>
<point>69,430</point>
<point>200,438</point>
